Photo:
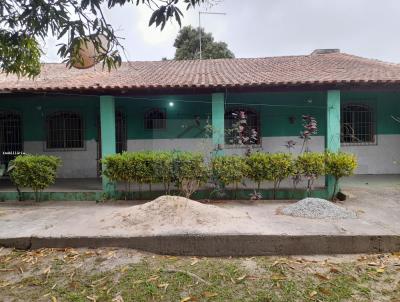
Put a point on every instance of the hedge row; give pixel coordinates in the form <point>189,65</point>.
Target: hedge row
<point>187,171</point>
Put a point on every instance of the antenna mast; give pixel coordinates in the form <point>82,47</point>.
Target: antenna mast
<point>205,13</point>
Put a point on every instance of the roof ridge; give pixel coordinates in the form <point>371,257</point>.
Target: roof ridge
<point>197,60</point>
<point>371,60</point>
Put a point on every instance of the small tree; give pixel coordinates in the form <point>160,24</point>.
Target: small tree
<point>189,172</point>
<point>280,166</point>
<point>339,165</point>
<point>229,169</point>
<point>163,169</point>
<point>34,171</point>
<point>258,165</point>
<point>310,126</point>
<point>311,165</point>
<point>240,132</point>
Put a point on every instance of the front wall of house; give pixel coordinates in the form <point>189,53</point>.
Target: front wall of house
<point>280,121</point>
<point>383,156</point>
<point>80,163</point>
<point>275,111</point>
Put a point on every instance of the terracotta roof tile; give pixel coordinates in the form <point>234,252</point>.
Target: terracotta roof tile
<point>311,69</point>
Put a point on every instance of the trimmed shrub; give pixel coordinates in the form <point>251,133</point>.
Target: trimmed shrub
<point>258,164</point>
<point>34,171</point>
<point>141,167</point>
<point>280,167</point>
<point>163,169</point>
<point>189,172</point>
<point>115,167</point>
<point>230,169</point>
<point>310,165</point>
<point>185,169</point>
<point>339,165</point>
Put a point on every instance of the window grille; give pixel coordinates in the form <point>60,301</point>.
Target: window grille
<point>251,129</point>
<point>357,124</point>
<point>64,131</point>
<point>121,132</point>
<point>155,118</point>
<point>11,143</point>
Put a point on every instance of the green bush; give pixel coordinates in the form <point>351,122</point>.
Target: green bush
<point>189,172</point>
<point>280,167</point>
<point>115,167</point>
<point>131,167</point>
<point>141,167</point>
<point>230,169</point>
<point>163,169</point>
<point>310,165</point>
<point>339,165</point>
<point>185,169</point>
<point>258,164</point>
<point>34,171</point>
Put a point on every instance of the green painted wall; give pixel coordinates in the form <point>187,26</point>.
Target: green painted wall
<point>274,108</point>
<point>34,110</point>
<point>385,104</point>
<point>180,117</point>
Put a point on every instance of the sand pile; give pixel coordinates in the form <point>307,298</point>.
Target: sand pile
<point>317,208</point>
<point>172,214</point>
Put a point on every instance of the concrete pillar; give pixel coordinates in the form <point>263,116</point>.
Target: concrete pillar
<point>218,122</point>
<point>108,140</point>
<point>332,138</point>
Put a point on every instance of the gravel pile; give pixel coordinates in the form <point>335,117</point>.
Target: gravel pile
<point>318,209</point>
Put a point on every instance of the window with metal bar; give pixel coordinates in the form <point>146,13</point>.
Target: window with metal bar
<point>11,143</point>
<point>120,132</point>
<point>155,118</point>
<point>357,124</point>
<point>242,127</point>
<point>64,131</point>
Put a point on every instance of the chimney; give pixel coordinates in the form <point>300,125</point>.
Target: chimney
<point>325,51</point>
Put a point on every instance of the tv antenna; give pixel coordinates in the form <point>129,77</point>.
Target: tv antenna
<point>205,13</point>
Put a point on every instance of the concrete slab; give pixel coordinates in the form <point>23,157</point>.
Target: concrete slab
<point>261,232</point>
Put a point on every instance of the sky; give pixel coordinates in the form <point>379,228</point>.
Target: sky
<point>263,28</point>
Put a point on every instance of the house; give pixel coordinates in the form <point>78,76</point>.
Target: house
<point>83,115</point>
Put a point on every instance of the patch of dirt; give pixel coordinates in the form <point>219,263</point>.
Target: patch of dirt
<point>174,213</point>
<point>252,267</point>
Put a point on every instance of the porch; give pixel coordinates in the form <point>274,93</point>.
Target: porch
<point>83,129</point>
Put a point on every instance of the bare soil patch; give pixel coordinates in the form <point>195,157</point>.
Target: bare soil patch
<point>174,213</point>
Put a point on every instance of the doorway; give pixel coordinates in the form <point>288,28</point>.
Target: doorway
<point>11,143</point>
<point>121,137</point>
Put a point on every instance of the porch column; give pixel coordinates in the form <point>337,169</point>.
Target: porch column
<point>332,138</point>
<point>108,143</point>
<point>218,122</point>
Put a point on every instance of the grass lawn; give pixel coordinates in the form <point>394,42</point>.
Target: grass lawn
<point>127,275</point>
